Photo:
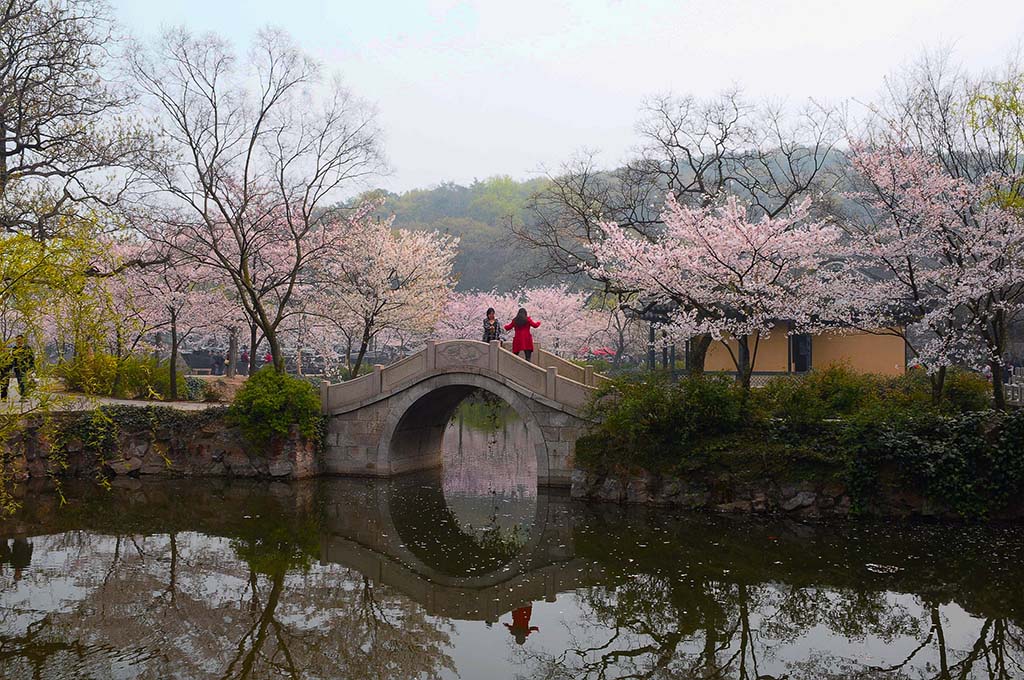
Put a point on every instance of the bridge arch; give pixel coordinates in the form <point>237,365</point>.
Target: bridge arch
<point>412,437</point>
<point>392,420</point>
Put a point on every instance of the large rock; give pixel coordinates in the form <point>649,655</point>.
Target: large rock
<point>801,499</point>
<point>125,466</point>
<point>612,490</point>
<point>280,467</point>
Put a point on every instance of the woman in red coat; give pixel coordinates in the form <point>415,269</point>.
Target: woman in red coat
<point>523,340</point>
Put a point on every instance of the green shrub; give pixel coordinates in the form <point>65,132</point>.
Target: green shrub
<point>802,404</point>
<point>132,377</point>
<point>269,403</point>
<point>653,424</point>
<point>91,374</point>
<point>966,391</point>
<point>971,463</point>
<point>195,388</point>
<point>157,383</point>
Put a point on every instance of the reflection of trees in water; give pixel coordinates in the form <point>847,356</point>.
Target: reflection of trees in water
<point>642,629</point>
<point>702,599</point>
<point>182,604</point>
<point>487,450</point>
<point>199,581</point>
<point>483,411</point>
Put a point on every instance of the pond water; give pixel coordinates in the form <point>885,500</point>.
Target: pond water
<point>471,572</point>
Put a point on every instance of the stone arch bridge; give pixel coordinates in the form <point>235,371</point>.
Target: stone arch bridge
<point>393,420</point>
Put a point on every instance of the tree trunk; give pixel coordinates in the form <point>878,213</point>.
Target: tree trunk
<point>118,364</point>
<point>696,353</point>
<point>938,381</point>
<point>995,337</point>
<point>940,640</point>
<point>998,388</point>
<point>173,367</point>
<point>744,366</point>
<point>363,345</point>
<point>253,352</point>
<point>172,581</point>
<point>232,352</point>
<point>275,351</point>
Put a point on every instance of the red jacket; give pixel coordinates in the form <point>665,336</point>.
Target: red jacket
<point>523,339</point>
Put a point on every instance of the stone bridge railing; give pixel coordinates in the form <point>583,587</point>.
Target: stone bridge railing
<point>547,377</point>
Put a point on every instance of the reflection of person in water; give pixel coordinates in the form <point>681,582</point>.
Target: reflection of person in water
<point>21,556</point>
<point>5,553</point>
<point>521,627</point>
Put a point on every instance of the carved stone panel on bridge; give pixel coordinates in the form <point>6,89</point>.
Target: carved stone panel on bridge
<point>461,354</point>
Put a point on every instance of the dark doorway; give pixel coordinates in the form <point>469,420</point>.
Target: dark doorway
<point>800,348</point>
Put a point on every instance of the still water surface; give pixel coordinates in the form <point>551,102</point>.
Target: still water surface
<point>470,572</point>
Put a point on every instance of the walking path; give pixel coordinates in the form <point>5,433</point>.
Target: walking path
<point>64,402</point>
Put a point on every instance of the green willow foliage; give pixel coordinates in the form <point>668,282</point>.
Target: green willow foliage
<point>131,377</point>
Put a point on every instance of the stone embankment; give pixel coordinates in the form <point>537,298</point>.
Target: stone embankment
<point>152,442</point>
<point>804,496</point>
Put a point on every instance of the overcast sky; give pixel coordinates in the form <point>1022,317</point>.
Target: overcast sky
<point>470,89</point>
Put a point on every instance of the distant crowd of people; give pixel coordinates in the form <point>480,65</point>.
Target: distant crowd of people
<point>220,360</point>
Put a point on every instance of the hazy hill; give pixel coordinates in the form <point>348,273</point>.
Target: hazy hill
<point>479,215</point>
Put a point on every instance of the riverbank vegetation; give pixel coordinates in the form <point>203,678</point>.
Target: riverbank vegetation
<point>865,430</point>
<point>269,404</point>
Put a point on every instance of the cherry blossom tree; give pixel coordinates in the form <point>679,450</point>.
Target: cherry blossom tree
<point>382,281</point>
<point>571,322</point>
<point>184,298</point>
<point>939,262</point>
<point>728,275</point>
<point>256,155</point>
<point>697,150</point>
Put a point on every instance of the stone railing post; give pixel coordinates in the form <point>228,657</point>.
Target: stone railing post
<point>325,393</point>
<point>551,384</point>
<point>493,350</point>
<point>588,375</point>
<point>378,378</point>
<point>430,355</point>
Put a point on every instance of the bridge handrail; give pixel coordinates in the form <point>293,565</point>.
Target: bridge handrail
<point>580,374</point>
<point>551,377</point>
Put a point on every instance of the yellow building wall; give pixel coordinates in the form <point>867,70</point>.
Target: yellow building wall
<point>865,353</point>
<point>772,354</point>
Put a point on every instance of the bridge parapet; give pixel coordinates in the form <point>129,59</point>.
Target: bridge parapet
<point>548,376</point>
<point>393,420</point>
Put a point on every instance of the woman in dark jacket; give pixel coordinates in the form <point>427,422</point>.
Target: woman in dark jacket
<point>523,340</point>
<point>492,329</point>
